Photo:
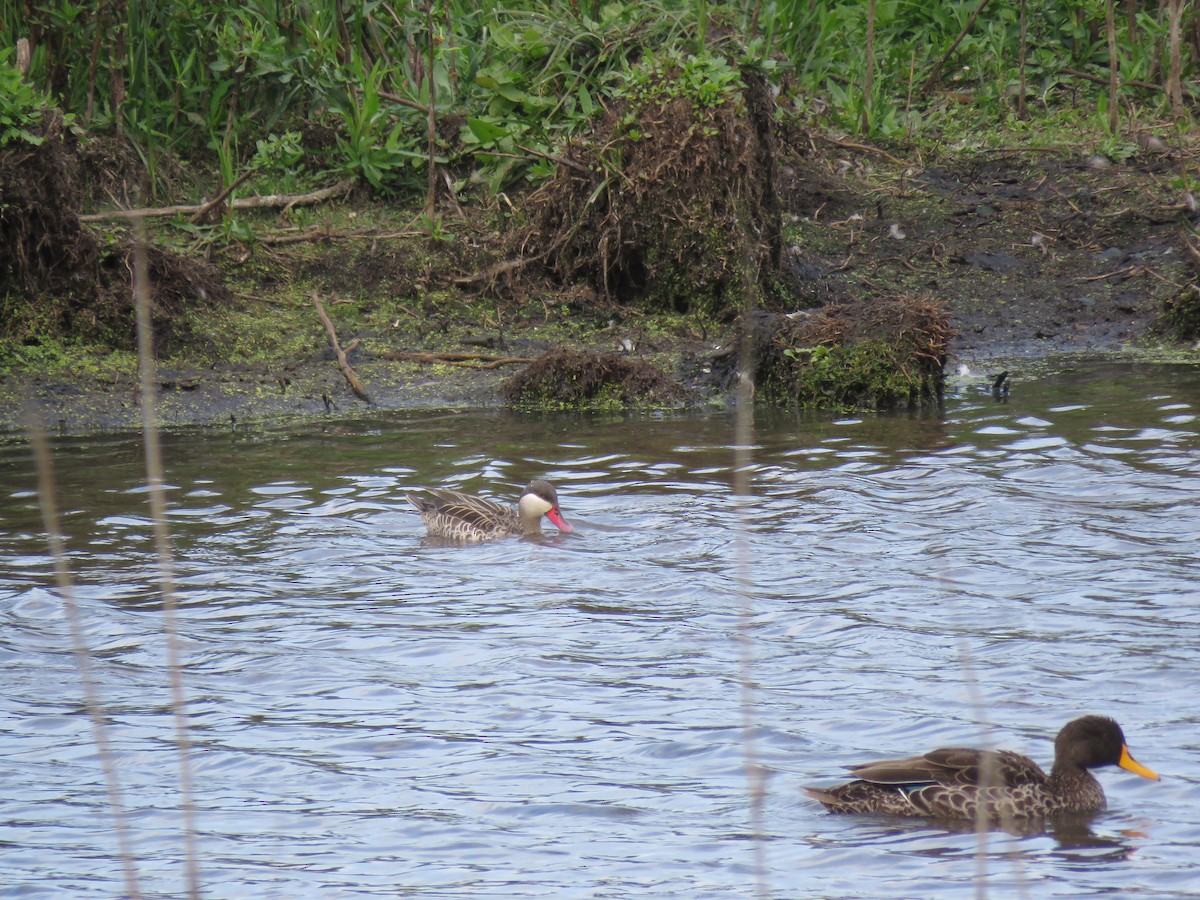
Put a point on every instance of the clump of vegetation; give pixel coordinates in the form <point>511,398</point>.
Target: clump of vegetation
<point>889,69</point>
<point>574,379</point>
<point>669,201</point>
<point>872,353</point>
<point>57,279</point>
<point>1180,315</point>
<point>491,91</point>
<point>44,251</point>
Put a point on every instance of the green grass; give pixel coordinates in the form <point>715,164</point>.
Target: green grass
<point>244,84</point>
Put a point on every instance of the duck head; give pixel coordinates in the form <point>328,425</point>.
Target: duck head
<point>1091,741</point>
<point>540,499</point>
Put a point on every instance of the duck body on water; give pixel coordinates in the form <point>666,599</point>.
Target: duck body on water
<point>467,518</point>
<point>952,783</point>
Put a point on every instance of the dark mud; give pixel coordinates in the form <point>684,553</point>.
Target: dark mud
<point>1034,254</point>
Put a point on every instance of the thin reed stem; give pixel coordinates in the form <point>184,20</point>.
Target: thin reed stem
<point>47,499</point>
<point>869,80</point>
<point>743,439</point>
<point>165,558</point>
<point>431,122</point>
<point>988,777</point>
<point>1114,82</point>
<point>755,773</point>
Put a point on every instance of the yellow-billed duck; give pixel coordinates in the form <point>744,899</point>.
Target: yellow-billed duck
<point>464,517</point>
<point>950,783</point>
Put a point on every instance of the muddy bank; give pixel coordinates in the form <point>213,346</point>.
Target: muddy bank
<point>1033,254</point>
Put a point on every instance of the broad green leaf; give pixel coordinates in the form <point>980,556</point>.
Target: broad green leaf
<point>486,131</point>
<point>512,92</point>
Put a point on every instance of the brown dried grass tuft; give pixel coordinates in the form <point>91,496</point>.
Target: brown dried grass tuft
<point>918,327</point>
<point>43,247</point>
<point>578,379</point>
<point>57,279</point>
<point>669,205</point>
<point>873,352</point>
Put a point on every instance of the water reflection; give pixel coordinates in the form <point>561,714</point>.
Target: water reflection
<point>1069,833</point>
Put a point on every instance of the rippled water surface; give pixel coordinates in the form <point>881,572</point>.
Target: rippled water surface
<point>373,713</point>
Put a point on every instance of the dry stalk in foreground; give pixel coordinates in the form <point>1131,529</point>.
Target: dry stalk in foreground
<point>743,439</point>
<point>165,559</point>
<point>47,500</point>
<point>988,777</point>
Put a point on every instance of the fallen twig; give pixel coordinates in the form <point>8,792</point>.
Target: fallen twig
<point>325,234</point>
<point>500,268</point>
<point>1128,270</point>
<point>1149,271</point>
<point>458,358</point>
<point>351,377</point>
<point>1162,215</point>
<point>264,200</point>
<point>851,145</point>
<point>216,201</point>
<point>1023,150</point>
<point>1187,242</point>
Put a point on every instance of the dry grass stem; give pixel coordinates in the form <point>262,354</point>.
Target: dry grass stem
<point>743,440</point>
<point>47,499</point>
<point>984,819</point>
<point>165,559</point>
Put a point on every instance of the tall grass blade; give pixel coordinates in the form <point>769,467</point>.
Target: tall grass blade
<point>47,499</point>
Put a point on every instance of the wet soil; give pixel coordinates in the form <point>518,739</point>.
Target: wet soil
<point>1039,254</point>
<point>1035,253</point>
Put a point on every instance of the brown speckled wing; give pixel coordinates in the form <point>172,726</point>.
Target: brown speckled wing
<point>865,797</point>
<point>913,770</point>
<point>477,511</point>
<point>954,766</point>
<point>949,783</point>
<point>464,517</point>
<point>1026,801</point>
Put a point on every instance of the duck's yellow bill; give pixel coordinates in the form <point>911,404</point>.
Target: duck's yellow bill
<point>1130,764</point>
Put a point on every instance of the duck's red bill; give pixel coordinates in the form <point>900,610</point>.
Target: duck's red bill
<point>562,524</point>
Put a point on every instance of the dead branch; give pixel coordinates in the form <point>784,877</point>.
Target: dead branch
<point>351,377</point>
<point>216,201</point>
<point>851,145</point>
<point>458,358</point>
<point>264,200</point>
<point>325,234</point>
<point>1191,248</point>
<point>937,69</point>
<point>1128,270</point>
<point>1132,82</point>
<point>561,160</point>
<point>403,101</point>
<point>501,268</point>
